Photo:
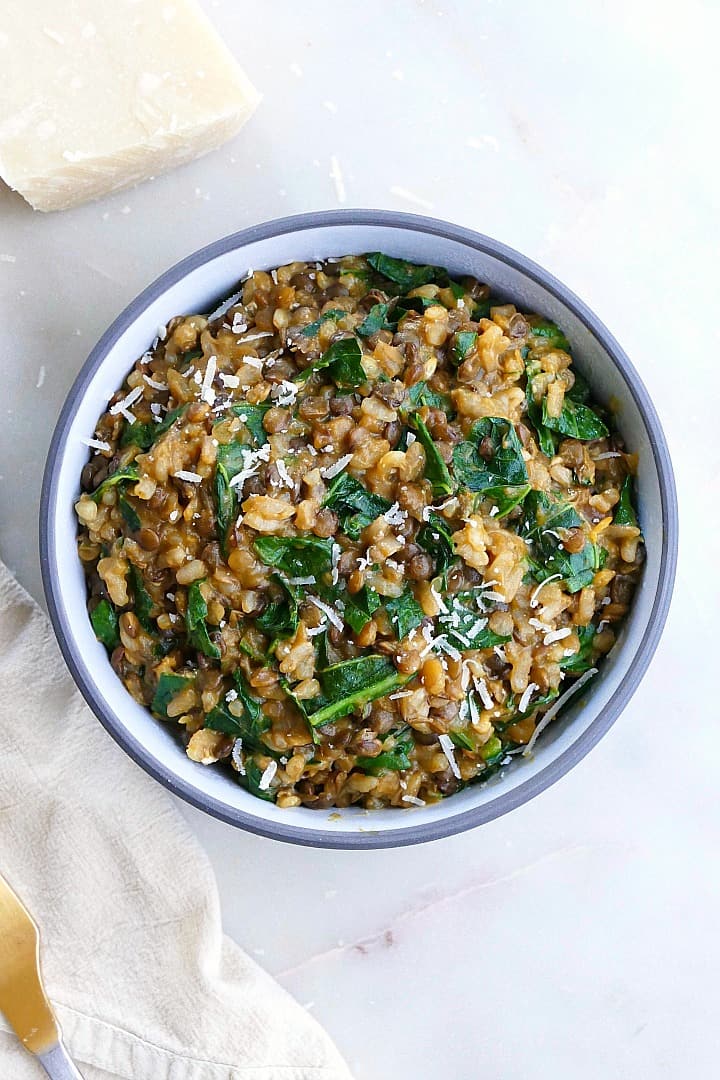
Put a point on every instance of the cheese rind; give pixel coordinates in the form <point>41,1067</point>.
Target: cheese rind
<point>99,96</point>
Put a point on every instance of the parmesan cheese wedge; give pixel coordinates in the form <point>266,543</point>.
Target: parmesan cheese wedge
<point>97,95</point>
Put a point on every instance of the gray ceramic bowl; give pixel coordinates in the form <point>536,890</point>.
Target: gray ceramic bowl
<point>196,284</point>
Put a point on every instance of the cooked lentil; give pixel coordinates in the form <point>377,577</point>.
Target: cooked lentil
<point>354,533</point>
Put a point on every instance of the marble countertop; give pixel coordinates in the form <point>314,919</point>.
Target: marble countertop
<point>577,936</point>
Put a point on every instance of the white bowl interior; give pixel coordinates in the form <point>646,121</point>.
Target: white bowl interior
<point>198,291</point>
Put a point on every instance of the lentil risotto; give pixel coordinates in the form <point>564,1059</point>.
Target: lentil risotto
<point>359,534</point>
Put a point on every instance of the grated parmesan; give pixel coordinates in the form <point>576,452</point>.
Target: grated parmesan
<point>526,695</point>
<point>413,800</point>
<point>264,781</point>
<point>534,602</point>
<point>207,393</point>
<point>556,706</point>
<point>557,635</point>
<point>96,444</point>
<point>237,756</point>
<point>327,610</point>
<point>330,471</point>
<point>191,477</point>
<point>446,745</point>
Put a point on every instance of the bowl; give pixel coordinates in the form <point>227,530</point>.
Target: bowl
<point>199,283</point>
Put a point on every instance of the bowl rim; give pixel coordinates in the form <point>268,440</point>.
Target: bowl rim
<point>407,834</point>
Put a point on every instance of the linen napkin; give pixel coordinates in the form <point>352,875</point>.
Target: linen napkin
<point>145,985</point>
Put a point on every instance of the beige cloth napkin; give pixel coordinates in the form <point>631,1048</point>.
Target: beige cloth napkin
<point>145,985</point>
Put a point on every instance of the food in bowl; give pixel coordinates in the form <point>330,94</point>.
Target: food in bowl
<point>360,533</point>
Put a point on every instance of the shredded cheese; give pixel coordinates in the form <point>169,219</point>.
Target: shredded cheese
<point>264,781</point>
<point>534,602</point>
<point>327,610</point>
<point>207,393</point>
<point>526,696</point>
<point>191,477</point>
<point>446,745</point>
<point>556,706</point>
<point>96,444</point>
<point>329,471</point>
<point>557,635</point>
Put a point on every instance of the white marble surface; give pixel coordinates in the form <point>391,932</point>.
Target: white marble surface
<point>578,936</point>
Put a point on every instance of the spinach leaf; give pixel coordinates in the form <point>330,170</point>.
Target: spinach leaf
<point>253,420</point>
<point>312,328</point>
<point>105,624</point>
<point>405,613</point>
<point>418,304</point>
<point>129,514</point>
<point>249,726</point>
<point>359,608</point>
<point>463,344</point>
<point>349,684</point>
<point>195,624</point>
<point>436,471</point>
<point>355,506</point>
<point>625,511</point>
<point>492,751</point>
<point>583,658</point>
<point>190,355</point>
<point>576,420</point>
<point>280,617</point>
<point>462,740</point>
<point>550,334</point>
<point>251,780</point>
<point>168,686</point>
<point>544,516</point>
<point>120,476</point>
<point>580,389</point>
<point>491,463</point>
<point>481,308</point>
<point>142,601</point>
<point>145,435</point>
<point>230,460</point>
<point>395,759</point>
<point>435,537</point>
<point>164,645</point>
<point>343,359</point>
<point>375,320</point>
<point>464,626</point>
<point>546,439</point>
<point>295,556</point>
<point>406,274</point>
<point>422,394</point>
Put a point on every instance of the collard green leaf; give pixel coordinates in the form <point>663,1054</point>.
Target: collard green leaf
<point>404,612</point>
<point>250,726</point>
<point>142,601</point>
<point>625,511</point>
<point>465,626</point>
<point>126,475</point>
<point>169,686</point>
<point>436,471</point>
<point>481,308</point>
<point>463,740</point>
<point>406,274</point>
<point>195,624</point>
<point>312,328</point>
<point>251,780</point>
<point>355,506</point>
<point>422,394</point>
<point>491,463</point>
<point>576,421</point>
<point>545,519</point>
<point>349,684</point>
<point>295,556</point>
<point>105,624</point>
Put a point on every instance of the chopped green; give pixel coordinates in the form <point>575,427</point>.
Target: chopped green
<point>359,608</point>
<point>312,328</point>
<point>252,417</point>
<point>169,686</point>
<point>583,658</point>
<point>395,759</point>
<point>436,471</point>
<point>105,624</point>
<point>349,684</point>
<point>422,394</point>
<point>491,463</point>
<point>405,613</point>
<point>550,334</point>
<point>465,626</point>
<point>462,740</point>
<point>343,360</point>
<point>280,617</point>
<point>251,780</point>
<point>463,344</point>
<point>435,537</point>
<point>355,506</point>
<point>145,435</point>
<point>142,601</point>
<point>375,320</point>
<point>121,476</point>
<point>250,726</point>
<point>195,624</point>
<point>129,513</point>
<point>492,751</point>
<point>406,274</point>
<point>544,516</point>
<point>576,421</point>
<point>295,556</point>
<point>625,511</point>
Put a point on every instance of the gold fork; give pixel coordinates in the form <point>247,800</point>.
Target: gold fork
<point>22,997</point>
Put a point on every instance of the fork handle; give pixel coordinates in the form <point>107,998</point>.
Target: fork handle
<point>57,1064</point>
